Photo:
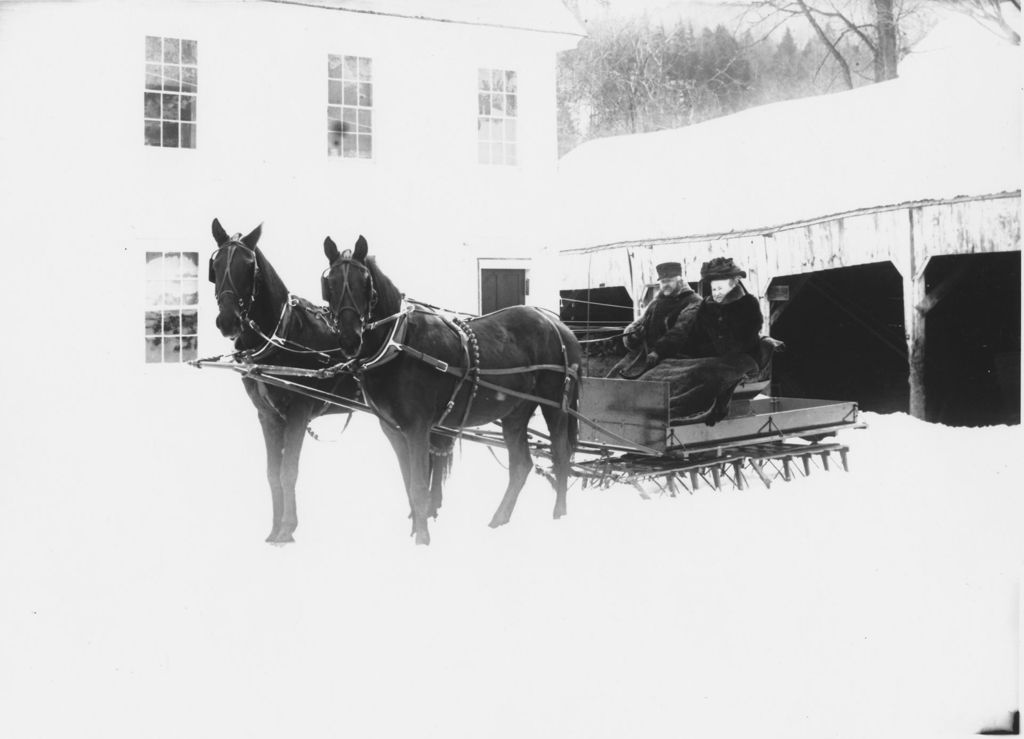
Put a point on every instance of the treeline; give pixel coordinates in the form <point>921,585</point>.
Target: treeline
<point>626,77</point>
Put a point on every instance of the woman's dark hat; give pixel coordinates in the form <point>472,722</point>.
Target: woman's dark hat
<point>669,269</point>
<point>720,268</point>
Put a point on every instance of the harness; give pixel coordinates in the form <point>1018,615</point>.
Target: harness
<point>470,372</point>
<point>278,339</point>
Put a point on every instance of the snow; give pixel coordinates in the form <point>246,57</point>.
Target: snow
<point>879,602</point>
<point>950,126</point>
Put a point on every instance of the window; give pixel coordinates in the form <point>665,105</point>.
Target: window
<point>349,107</point>
<point>496,116</point>
<point>172,296</point>
<point>170,95</point>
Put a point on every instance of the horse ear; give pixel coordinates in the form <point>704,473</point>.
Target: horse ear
<point>253,237</point>
<point>330,250</point>
<point>361,249</point>
<point>219,234</point>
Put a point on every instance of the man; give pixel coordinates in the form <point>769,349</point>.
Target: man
<point>673,311</point>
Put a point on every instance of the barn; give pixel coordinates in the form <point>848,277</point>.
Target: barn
<point>880,228</point>
<point>126,128</point>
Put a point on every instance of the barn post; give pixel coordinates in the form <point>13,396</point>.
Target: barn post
<point>914,294</point>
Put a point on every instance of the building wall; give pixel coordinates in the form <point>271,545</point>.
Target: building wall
<point>84,199</point>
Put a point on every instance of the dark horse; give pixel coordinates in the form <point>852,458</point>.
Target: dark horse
<point>520,358</point>
<point>269,325</point>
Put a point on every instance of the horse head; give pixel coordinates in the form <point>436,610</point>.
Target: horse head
<point>348,287</point>
<point>235,274</point>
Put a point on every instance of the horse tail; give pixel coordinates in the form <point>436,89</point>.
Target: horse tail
<point>574,407</point>
<point>441,456</point>
<point>574,359</point>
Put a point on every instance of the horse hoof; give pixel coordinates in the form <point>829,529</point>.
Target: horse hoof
<point>496,522</point>
<point>422,538</point>
<point>279,539</point>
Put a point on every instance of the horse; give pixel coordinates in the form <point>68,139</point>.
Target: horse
<point>419,370</point>
<point>270,325</point>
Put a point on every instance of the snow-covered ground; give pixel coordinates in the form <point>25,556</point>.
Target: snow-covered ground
<point>882,602</point>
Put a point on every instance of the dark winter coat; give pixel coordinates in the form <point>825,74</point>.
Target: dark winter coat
<point>730,327</point>
<point>667,314</point>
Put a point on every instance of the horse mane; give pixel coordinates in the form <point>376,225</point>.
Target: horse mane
<point>389,297</point>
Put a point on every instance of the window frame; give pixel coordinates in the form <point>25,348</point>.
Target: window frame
<point>170,87</point>
<point>350,101</point>
<point>497,90</point>
<point>154,302</point>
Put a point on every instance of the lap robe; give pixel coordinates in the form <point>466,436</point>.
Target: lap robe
<point>697,386</point>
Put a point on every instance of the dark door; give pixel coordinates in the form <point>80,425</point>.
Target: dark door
<point>500,288</point>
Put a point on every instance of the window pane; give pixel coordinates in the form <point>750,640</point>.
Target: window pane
<point>365,121</point>
<point>188,135</point>
<point>189,52</point>
<point>365,94</point>
<point>334,66</point>
<point>349,116</point>
<point>348,143</point>
<point>334,143</point>
<point>497,80</point>
<point>349,68</point>
<point>497,104</point>
<point>170,131</point>
<point>152,106</point>
<point>189,79</point>
<point>510,130</point>
<point>365,147</point>
<point>152,323</point>
<point>333,92</point>
<point>511,84</point>
<point>154,77</point>
<point>484,104</point>
<point>172,78</point>
<point>333,113</point>
<point>350,96</point>
<point>510,105</point>
<point>189,322</point>
<point>190,264</point>
<point>172,323</point>
<point>497,153</point>
<point>152,48</point>
<point>365,69</point>
<point>188,107</point>
<point>152,133</point>
<point>189,348</point>
<point>170,107</point>
<point>172,350</point>
<point>154,350</point>
<point>172,51</point>
<point>484,80</point>
<point>510,153</point>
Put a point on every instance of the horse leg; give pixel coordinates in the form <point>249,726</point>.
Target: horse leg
<point>558,429</point>
<point>273,438</point>
<point>401,447</point>
<point>294,434</point>
<point>513,428</point>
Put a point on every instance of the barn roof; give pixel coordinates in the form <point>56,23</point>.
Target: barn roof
<point>549,16</point>
<point>950,126</point>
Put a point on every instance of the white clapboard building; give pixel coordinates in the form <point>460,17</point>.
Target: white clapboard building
<point>127,127</point>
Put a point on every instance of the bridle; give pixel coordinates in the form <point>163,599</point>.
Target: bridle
<point>227,284</point>
<point>347,300</point>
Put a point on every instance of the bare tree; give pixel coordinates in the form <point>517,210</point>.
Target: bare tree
<point>991,14</point>
<point>874,25</point>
